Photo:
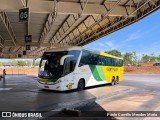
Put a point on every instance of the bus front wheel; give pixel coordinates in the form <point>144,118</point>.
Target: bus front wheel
<point>81,85</point>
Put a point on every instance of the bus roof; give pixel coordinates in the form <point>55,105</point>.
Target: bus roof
<point>80,48</point>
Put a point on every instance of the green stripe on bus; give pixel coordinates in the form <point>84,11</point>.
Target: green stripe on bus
<point>97,72</point>
<point>101,72</point>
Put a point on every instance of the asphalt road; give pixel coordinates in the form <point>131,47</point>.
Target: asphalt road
<point>144,96</point>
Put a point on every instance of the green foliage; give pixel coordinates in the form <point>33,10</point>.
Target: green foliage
<point>36,63</point>
<point>158,58</point>
<point>29,62</point>
<point>17,62</point>
<point>14,62</point>
<point>127,58</point>
<point>114,52</point>
<point>1,63</point>
<point>152,57</point>
<point>21,63</point>
<point>145,58</point>
<point>149,58</point>
<point>134,58</point>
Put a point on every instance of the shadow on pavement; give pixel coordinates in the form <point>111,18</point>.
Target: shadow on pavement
<point>91,111</point>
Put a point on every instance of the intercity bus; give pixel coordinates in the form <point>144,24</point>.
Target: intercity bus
<point>76,68</point>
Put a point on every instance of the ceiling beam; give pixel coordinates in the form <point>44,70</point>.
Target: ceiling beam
<point>98,21</point>
<point>125,21</point>
<point>8,26</point>
<point>24,3</point>
<point>1,42</point>
<point>82,22</point>
<point>83,6</point>
<point>15,55</point>
<point>70,28</point>
<point>64,7</point>
<point>19,44</point>
<point>48,24</point>
<point>60,27</point>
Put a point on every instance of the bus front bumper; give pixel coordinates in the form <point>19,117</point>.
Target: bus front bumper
<point>57,86</point>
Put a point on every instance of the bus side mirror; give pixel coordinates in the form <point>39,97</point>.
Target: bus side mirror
<point>63,58</point>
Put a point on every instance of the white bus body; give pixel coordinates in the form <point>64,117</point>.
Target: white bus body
<point>72,69</point>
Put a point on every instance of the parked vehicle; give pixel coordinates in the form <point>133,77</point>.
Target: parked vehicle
<point>156,64</point>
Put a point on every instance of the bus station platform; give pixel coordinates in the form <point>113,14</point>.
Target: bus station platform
<point>20,93</point>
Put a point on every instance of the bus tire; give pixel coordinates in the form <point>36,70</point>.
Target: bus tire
<point>81,85</point>
<point>113,81</point>
<point>117,80</point>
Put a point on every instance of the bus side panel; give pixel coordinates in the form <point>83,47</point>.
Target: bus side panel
<point>94,75</point>
<point>90,75</point>
<point>106,73</point>
<point>121,73</point>
<point>111,72</point>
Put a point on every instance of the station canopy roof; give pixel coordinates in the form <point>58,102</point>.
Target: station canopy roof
<point>57,23</point>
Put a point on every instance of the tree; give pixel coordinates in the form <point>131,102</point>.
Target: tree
<point>128,58</point>
<point>36,63</point>
<point>134,58</point>
<point>21,63</point>
<point>14,62</point>
<point>28,62</point>
<point>158,58</point>
<point>152,57</point>
<point>114,52</point>
<point>1,63</point>
<point>145,58</point>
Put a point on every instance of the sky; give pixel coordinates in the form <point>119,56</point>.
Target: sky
<point>142,37</point>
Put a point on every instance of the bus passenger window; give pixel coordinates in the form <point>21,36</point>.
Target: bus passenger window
<point>103,61</point>
<point>108,61</point>
<point>113,62</point>
<point>46,66</point>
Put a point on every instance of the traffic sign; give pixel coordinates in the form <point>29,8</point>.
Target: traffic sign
<point>23,15</point>
<point>24,52</point>
<point>19,56</point>
<point>28,47</point>
<point>28,38</point>
<point>1,49</point>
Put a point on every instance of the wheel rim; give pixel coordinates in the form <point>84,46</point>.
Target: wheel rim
<point>117,81</point>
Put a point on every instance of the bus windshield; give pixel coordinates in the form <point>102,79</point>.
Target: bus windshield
<point>50,63</point>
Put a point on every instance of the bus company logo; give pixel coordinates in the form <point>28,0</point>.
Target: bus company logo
<point>69,86</point>
<point>26,114</point>
<point>6,114</point>
<point>112,69</point>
